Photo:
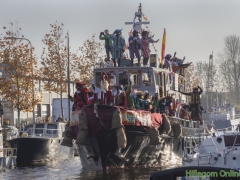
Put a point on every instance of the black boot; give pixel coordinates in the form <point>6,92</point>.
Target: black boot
<point>119,62</point>
<point>132,62</point>
<point>146,63</point>
<point>114,60</point>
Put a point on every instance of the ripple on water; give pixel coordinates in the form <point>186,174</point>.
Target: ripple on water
<point>71,168</point>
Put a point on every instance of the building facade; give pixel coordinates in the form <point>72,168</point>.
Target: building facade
<point>42,109</point>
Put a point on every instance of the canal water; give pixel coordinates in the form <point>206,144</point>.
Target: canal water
<point>69,169</point>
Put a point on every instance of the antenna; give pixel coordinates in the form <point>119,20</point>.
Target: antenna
<point>140,11</point>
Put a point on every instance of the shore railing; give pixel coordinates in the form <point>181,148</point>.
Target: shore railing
<point>9,152</point>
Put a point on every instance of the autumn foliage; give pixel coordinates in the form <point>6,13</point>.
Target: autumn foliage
<point>90,53</point>
<point>17,63</point>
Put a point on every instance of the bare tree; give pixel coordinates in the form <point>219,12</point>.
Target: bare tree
<point>230,65</point>
<point>209,80</point>
<point>191,77</point>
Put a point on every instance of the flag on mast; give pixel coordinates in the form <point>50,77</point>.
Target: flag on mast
<point>163,47</point>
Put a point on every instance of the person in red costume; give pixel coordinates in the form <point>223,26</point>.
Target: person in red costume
<point>109,95</point>
<point>81,95</point>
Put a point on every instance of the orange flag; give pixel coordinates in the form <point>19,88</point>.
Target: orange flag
<point>163,46</point>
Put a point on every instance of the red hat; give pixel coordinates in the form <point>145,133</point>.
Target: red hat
<point>80,83</point>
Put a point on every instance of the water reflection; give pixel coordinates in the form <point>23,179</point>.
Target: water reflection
<point>121,174</point>
<point>70,169</point>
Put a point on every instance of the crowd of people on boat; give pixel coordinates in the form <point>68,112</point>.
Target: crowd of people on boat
<point>132,99</point>
<point>138,47</point>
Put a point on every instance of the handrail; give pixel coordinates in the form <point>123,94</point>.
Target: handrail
<point>44,132</point>
<point>54,132</point>
<point>9,152</point>
<point>185,121</point>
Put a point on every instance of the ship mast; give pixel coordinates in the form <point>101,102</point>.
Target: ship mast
<point>210,77</point>
<point>138,25</point>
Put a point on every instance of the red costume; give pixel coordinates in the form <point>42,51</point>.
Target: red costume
<point>184,114</point>
<point>81,95</point>
<point>109,95</point>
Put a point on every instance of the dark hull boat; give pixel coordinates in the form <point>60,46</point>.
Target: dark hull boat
<point>39,147</point>
<point>100,149</point>
<point>138,151</point>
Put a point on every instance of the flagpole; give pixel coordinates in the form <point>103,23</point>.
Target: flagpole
<point>163,48</point>
<point>68,73</point>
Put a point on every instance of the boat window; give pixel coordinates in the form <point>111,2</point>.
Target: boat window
<point>111,78</point>
<point>39,128</point>
<point>28,129</point>
<point>51,129</point>
<point>98,79</point>
<point>123,77</point>
<point>171,80</point>
<point>135,79</point>
<point>157,78</point>
<point>180,83</point>
<point>147,77</point>
<point>229,141</point>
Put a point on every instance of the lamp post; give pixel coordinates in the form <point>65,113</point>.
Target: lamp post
<point>68,76</point>
<point>32,71</point>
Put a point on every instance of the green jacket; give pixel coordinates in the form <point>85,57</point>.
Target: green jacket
<point>155,104</point>
<point>108,40</point>
<point>129,97</point>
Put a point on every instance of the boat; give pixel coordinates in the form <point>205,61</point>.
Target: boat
<point>40,143</point>
<point>101,146</point>
<point>216,157</point>
<point>223,117</point>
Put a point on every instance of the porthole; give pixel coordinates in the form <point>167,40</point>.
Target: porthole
<point>219,140</point>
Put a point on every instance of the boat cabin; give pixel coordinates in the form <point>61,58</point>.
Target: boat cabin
<point>151,79</point>
<point>48,130</point>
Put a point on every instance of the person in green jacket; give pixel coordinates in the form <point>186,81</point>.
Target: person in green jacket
<point>156,101</point>
<point>130,102</point>
<point>108,42</point>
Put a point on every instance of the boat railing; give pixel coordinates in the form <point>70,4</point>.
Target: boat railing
<point>230,128</point>
<point>189,148</point>
<point>188,136</point>
<point>187,123</point>
<point>43,132</point>
<point>9,152</point>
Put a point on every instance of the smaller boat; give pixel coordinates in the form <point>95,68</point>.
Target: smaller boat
<point>40,143</point>
<point>215,158</point>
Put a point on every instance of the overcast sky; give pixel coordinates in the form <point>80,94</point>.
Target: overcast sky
<point>194,28</point>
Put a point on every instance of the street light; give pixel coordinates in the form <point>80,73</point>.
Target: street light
<point>32,71</point>
<point>68,76</point>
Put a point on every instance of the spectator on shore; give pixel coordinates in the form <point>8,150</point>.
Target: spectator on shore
<point>47,119</point>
